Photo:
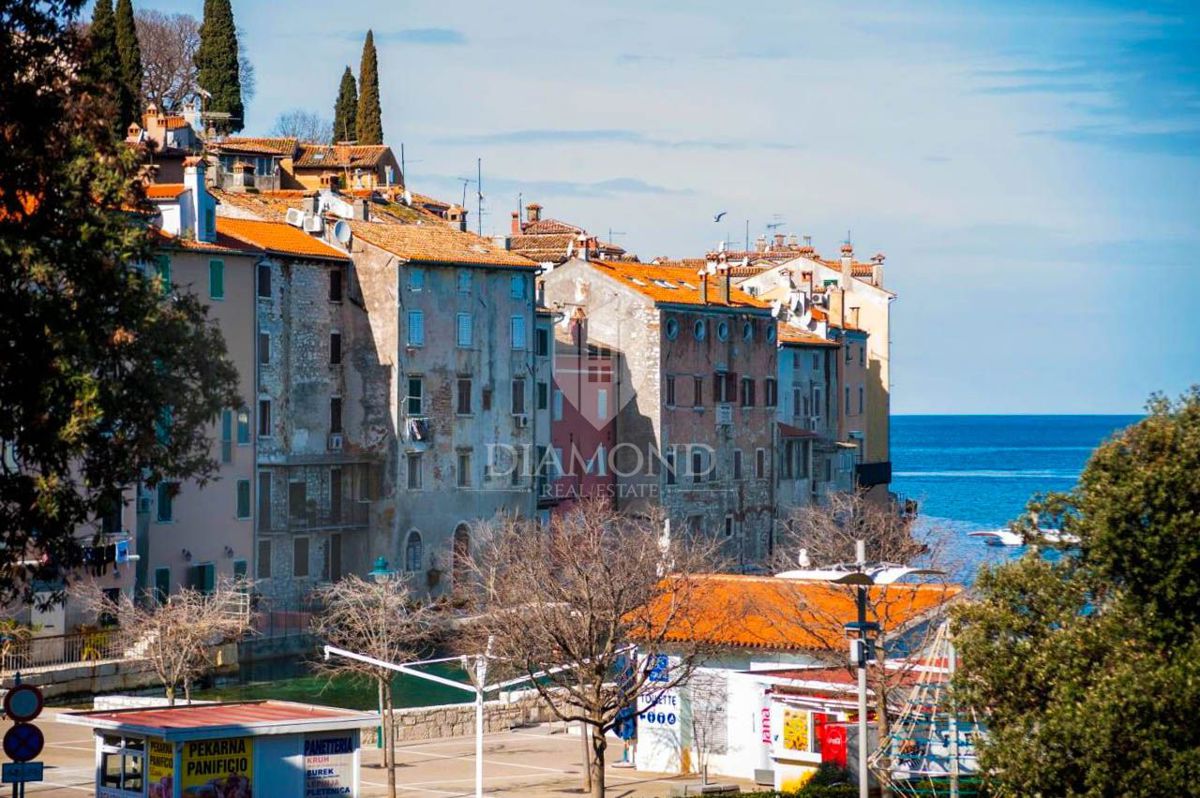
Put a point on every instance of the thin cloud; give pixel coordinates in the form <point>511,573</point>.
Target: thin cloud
<point>607,136</point>
<point>562,188</point>
<point>1182,143</point>
<point>435,37</point>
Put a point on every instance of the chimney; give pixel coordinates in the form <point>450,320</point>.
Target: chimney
<point>516,223</point>
<point>533,212</point>
<point>877,270</point>
<point>703,286</point>
<point>456,216</point>
<point>847,266</point>
<point>202,212</point>
<point>779,240</point>
<point>760,244</point>
<point>726,279</point>
<point>502,242</point>
<point>362,210</point>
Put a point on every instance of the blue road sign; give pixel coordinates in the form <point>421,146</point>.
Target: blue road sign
<point>23,742</point>
<point>20,772</point>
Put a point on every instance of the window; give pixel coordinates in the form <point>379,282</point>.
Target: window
<point>747,392</point>
<point>413,555</point>
<point>416,328</point>
<point>737,463</point>
<point>166,502</point>
<point>748,331</point>
<point>518,470</point>
<point>416,279</point>
<point>264,348</point>
<point>849,354</point>
<point>264,500</point>
<point>243,499</point>
<point>847,398</point>
<point>264,280</point>
<point>816,400</point>
<point>697,465</point>
<point>162,584</point>
<point>226,436</point>
<point>669,465</point>
<point>464,469</point>
<point>485,399</point>
<point>122,765</point>
<point>723,330</point>
<point>699,329</point>
<point>543,395</point>
<point>771,391</point>
<point>335,348</point>
<point>298,501</point>
<point>216,279</point>
<point>861,399</point>
<point>697,392</point>
<point>671,391</point>
<point>760,463</point>
<point>414,471</point>
<point>771,333</point>
<point>862,354</point>
<point>516,286</point>
<point>786,466</point>
<point>164,273</point>
<point>517,328</point>
<point>798,400</point>
<point>263,566</point>
<point>725,386</point>
<point>264,418</point>
<point>557,410</point>
<point>300,556</point>
<point>728,526</point>
<point>335,285</point>
<point>464,281</point>
<point>602,404</point>
<point>518,396</point>
<point>464,396</point>
<point>416,395</point>
<point>335,415</point>
<point>816,362</point>
<point>465,330</point>
<point>335,495</point>
<point>672,329</point>
<point>541,342</point>
<point>243,426</point>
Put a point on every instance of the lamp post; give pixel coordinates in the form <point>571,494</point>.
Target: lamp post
<point>862,575</point>
<point>381,571</point>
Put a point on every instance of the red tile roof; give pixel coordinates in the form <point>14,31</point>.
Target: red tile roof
<point>340,156</point>
<point>436,243</point>
<point>253,146</point>
<point>797,337</point>
<point>278,238</point>
<point>200,716</point>
<point>673,285</point>
<point>224,244</point>
<point>164,191</point>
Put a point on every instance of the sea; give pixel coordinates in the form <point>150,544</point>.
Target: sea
<point>971,473</point>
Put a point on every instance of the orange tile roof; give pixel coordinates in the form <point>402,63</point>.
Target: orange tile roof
<point>789,334</point>
<point>278,238</point>
<point>224,243</point>
<point>767,612</point>
<point>340,155</point>
<point>274,146</point>
<point>164,191</point>
<point>673,284</point>
<point>436,243</point>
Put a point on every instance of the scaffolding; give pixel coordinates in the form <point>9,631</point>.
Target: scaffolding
<point>930,750</point>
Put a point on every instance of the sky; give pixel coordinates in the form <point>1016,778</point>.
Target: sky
<point>1030,169</point>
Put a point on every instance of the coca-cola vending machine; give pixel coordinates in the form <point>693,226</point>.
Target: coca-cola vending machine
<point>832,735</point>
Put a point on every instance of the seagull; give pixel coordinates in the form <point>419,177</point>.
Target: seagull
<point>803,560</point>
<point>717,218</point>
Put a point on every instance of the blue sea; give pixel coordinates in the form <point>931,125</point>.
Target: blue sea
<point>977,472</point>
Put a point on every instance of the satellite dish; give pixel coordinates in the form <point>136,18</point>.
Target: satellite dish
<point>710,267</point>
<point>408,198</point>
<point>341,231</point>
<point>776,308</point>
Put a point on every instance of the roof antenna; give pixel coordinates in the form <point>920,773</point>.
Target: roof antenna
<point>479,195</point>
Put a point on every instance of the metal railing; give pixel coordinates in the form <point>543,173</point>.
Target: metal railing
<point>43,652</point>
<point>354,514</point>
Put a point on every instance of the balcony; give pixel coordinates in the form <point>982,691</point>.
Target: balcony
<point>354,514</point>
<point>869,474</point>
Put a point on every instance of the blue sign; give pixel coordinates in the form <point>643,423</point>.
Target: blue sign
<point>122,551</point>
<point>20,772</point>
<point>660,668</point>
<point>23,742</point>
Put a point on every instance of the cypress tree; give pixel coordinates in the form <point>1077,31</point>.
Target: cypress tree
<point>345,110</point>
<point>217,62</point>
<point>370,117</point>
<point>104,63</point>
<point>131,58</point>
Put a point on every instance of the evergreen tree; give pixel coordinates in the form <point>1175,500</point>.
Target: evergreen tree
<point>370,116</point>
<point>217,62</point>
<point>131,58</point>
<point>345,110</point>
<point>103,68</point>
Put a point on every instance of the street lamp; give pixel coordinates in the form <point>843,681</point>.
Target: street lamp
<point>862,575</point>
<point>381,572</point>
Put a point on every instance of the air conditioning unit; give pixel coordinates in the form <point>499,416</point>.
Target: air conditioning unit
<point>335,442</point>
<point>820,300</point>
<point>522,420</point>
<point>295,217</point>
<point>314,224</point>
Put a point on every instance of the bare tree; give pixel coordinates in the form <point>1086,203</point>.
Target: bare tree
<point>707,692</point>
<point>168,43</point>
<point>178,636</point>
<point>564,605</point>
<point>823,535</point>
<point>380,619</point>
<point>303,125</point>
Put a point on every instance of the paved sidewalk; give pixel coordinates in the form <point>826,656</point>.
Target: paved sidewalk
<point>539,761</point>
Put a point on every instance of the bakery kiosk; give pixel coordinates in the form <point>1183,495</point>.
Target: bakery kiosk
<point>226,750</point>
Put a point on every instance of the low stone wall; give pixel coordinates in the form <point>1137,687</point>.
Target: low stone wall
<point>458,720</point>
<point>89,678</point>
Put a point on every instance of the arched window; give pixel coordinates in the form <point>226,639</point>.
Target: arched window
<point>413,554</point>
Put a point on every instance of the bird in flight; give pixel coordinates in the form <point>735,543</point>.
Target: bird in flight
<point>717,218</point>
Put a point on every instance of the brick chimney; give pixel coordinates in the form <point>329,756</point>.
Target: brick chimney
<point>516,223</point>
<point>703,285</point>
<point>877,269</point>
<point>779,240</point>
<point>760,244</point>
<point>847,266</point>
<point>726,279</point>
<point>456,217</point>
<point>533,212</point>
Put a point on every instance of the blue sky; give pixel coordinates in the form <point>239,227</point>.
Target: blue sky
<point>1031,170</point>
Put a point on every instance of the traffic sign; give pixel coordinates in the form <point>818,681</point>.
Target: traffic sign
<point>23,742</point>
<point>23,703</point>
<point>21,772</point>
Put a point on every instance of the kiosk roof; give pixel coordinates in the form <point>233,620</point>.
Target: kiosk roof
<point>207,721</point>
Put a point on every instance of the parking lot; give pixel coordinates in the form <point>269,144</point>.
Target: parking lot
<point>537,761</point>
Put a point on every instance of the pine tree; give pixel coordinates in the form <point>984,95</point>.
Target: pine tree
<point>370,116</point>
<point>104,62</point>
<point>345,110</point>
<point>131,58</point>
<point>217,62</point>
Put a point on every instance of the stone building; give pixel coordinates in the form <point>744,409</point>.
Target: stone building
<point>273,164</point>
<point>693,400</point>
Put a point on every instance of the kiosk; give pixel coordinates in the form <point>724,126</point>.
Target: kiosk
<point>226,750</point>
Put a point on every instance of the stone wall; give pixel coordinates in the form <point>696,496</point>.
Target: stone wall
<point>458,720</point>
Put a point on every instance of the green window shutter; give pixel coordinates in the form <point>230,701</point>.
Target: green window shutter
<point>165,509</point>
<point>216,279</point>
<point>208,578</point>
<point>164,273</point>
<point>243,498</point>
<point>239,569</point>
<point>162,584</point>
<point>226,436</point>
<point>243,426</point>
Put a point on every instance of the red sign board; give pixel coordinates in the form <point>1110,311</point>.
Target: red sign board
<point>833,743</point>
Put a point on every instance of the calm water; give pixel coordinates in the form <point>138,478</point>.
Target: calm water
<point>977,472</point>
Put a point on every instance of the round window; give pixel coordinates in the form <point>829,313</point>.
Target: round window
<point>672,329</point>
<point>748,331</point>
<point>771,333</point>
<point>723,330</point>
<point>699,329</point>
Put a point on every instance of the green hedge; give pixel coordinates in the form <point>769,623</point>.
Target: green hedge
<point>828,782</point>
